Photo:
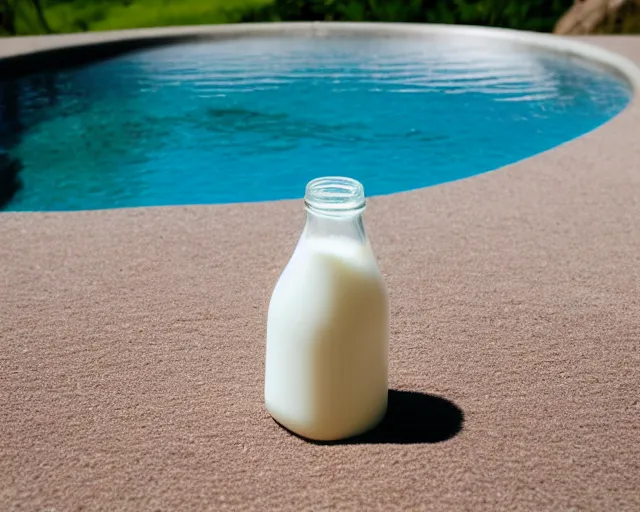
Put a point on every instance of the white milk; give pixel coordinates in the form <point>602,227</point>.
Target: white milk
<point>327,340</point>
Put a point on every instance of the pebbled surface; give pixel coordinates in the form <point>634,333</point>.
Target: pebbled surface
<point>132,343</point>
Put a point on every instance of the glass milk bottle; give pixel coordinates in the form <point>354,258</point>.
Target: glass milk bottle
<point>328,322</point>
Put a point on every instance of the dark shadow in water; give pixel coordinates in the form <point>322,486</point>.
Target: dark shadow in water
<point>10,129</point>
<point>412,418</point>
<point>50,86</point>
<point>59,59</point>
<point>12,125</point>
<point>10,122</point>
<point>282,132</point>
<point>10,181</point>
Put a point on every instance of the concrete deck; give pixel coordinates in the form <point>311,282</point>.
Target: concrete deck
<point>132,345</point>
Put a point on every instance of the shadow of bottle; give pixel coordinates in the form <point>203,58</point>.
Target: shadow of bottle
<point>412,418</point>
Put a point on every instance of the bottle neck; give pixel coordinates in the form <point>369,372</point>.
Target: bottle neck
<point>334,207</point>
<point>345,225</point>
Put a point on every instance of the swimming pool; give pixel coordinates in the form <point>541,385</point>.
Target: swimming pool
<point>256,118</point>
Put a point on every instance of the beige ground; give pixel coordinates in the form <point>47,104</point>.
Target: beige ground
<point>132,341</point>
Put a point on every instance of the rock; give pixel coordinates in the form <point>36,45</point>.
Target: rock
<point>589,16</point>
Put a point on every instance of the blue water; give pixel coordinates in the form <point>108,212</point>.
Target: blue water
<point>256,119</point>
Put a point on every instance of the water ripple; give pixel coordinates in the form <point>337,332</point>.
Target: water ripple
<point>461,69</point>
<point>255,119</point>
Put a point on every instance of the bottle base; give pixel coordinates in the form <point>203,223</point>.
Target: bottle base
<point>312,432</point>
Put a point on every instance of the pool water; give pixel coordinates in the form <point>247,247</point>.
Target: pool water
<point>256,119</point>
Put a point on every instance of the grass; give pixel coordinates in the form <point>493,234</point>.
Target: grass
<point>84,15</point>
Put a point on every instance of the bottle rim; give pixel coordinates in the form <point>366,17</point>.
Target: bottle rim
<point>334,194</point>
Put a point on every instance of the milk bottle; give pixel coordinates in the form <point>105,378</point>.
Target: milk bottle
<point>328,322</point>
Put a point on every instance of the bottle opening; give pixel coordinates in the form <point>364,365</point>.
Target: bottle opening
<point>334,194</point>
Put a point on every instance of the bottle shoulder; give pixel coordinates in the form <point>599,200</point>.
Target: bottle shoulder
<point>318,264</point>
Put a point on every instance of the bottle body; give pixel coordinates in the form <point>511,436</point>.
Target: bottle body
<point>327,334</point>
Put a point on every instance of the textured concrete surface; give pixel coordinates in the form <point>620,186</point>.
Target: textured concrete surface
<point>132,344</point>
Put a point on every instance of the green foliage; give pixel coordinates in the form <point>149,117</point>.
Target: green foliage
<point>82,15</point>
<point>22,16</point>
<point>15,13</point>
<point>538,15</point>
